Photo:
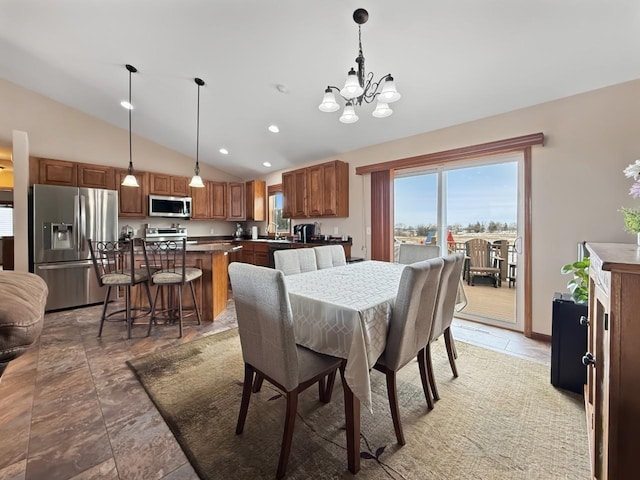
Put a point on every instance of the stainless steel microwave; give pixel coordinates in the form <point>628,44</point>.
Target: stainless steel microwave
<point>175,207</point>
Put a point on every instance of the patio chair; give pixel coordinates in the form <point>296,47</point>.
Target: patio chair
<point>479,262</point>
<point>265,325</point>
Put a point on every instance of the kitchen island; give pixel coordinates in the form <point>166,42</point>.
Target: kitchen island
<point>212,288</point>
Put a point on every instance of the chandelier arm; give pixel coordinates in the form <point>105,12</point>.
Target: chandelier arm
<point>372,94</point>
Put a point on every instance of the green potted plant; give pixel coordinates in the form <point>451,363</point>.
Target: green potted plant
<point>579,284</point>
<point>632,220</point>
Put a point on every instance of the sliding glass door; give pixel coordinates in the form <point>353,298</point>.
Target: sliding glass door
<point>472,205</point>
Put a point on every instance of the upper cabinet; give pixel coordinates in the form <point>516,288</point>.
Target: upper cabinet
<point>160,184</point>
<point>72,174</point>
<point>294,189</point>
<point>201,202</point>
<point>96,176</point>
<point>256,191</point>
<point>58,172</point>
<point>236,201</point>
<point>317,191</point>
<point>219,200</point>
<point>132,201</point>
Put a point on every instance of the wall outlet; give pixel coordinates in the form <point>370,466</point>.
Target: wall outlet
<point>368,230</point>
<point>335,230</point>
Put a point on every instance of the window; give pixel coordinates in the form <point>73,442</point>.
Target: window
<point>283,225</point>
<point>6,220</point>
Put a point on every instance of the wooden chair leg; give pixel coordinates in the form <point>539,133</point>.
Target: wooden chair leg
<point>432,380</point>
<point>104,310</point>
<point>195,302</point>
<point>257,383</point>
<point>287,436</point>
<point>326,391</point>
<point>393,405</point>
<point>246,396</point>
<point>422,364</point>
<point>448,340</point>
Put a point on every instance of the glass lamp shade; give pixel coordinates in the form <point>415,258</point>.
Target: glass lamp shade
<point>196,182</point>
<point>389,93</point>
<point>349,114</point>
<point>329,103</point>
<point>130,181</point>
<point>382,110</point>
<point>351,87</point>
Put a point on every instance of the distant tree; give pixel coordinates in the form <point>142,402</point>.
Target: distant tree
<point>456,227</point>
<point>493,227</point>
<point>421,230</point>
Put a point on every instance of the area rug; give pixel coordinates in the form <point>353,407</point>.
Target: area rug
<point>500,419</point>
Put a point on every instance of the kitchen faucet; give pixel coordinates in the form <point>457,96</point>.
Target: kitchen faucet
<point>275,226</point>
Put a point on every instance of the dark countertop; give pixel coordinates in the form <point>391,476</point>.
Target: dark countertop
<point>227,239</point>
<point>213,247</point>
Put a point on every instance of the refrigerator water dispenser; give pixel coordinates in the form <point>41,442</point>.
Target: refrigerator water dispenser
<point>61,236</point>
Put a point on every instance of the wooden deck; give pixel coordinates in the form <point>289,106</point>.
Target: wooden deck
<point>486,301</point>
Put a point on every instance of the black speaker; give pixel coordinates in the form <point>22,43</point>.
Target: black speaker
<point>568,343</point>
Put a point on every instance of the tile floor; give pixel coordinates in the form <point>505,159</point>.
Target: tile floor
<point>70,408</point>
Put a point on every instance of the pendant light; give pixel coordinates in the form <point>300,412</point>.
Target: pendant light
<point>196,180</point>
<point>130,179</point>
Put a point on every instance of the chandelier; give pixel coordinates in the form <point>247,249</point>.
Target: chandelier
<point>360,86</point>
<point>196,180</point>
<point>130,180</point>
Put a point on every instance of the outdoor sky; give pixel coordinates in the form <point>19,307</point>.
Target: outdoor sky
<point>486,193</point>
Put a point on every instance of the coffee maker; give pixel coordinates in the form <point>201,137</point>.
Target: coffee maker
<point>304,231</point>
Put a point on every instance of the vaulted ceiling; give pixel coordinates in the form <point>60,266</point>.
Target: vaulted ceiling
<point>453,61</point>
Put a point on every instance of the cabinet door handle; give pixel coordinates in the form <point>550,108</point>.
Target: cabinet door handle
<point>588,359</point>
<point>584,321</point>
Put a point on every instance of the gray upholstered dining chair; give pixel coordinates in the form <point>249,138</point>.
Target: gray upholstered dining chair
<point>265,325</point>
<point>409,330</point>
<point>167,268</point>
<point>114,264</point>
<point>328,256</point>
<point>411,253</point>
<point>443,316</point>
<point>295,260</point>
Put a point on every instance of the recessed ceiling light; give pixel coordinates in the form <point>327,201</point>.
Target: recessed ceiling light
<point>266,164</point>
<point>126,105</point>
<point>224,151</point>
<point>274,128</point>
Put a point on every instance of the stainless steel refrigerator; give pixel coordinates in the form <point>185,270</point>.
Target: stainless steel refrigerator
<point>62,219</point>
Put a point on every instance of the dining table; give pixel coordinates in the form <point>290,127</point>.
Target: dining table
<point>345,311</point>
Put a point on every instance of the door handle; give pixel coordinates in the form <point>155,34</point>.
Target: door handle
<point>588,359</point>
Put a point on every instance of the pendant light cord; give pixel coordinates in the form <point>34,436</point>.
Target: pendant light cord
<point>198,133</point>
<point>130,150</point>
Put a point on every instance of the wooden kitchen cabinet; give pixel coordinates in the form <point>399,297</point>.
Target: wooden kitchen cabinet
<point>58,172</point>
<point>160,184</point>
<point>201,202</point>
<point>132,201</point>
<point>236,201</point>
<point>317,191</point>
<point>247,253</point>
<point>256,202</point>
<point>294,193</point>
<point>96,176</point>
<point>612,394</point>
<point>218,202</point>
<point>328,190</point>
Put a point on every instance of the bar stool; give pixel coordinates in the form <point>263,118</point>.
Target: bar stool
<point>166,265</point>
<point>113,262</point>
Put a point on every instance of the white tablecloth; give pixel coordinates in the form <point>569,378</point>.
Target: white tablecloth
<point>345,311</point>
